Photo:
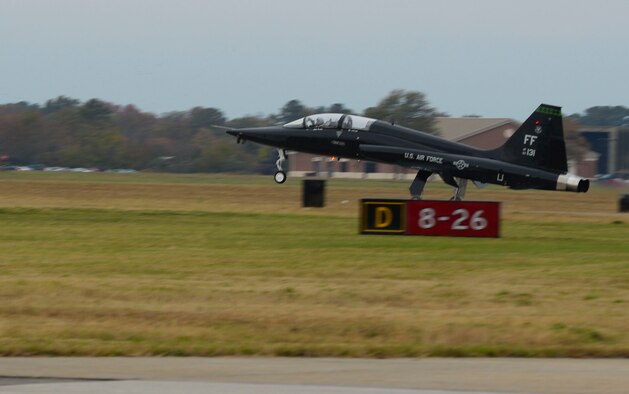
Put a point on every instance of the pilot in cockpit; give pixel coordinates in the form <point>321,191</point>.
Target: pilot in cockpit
<point>330,123</point>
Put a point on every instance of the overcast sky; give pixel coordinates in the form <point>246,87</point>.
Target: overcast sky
<point>497,58</point>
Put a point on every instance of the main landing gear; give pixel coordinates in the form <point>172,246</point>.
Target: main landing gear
<point>417,187</point>
<point>459,192</point>
<point>459,185</point>
<point>280,175</point>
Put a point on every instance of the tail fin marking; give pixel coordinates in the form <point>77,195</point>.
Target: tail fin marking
<point>538,142</point>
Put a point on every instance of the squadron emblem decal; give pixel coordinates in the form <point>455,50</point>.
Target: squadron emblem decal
<point>460,164</point>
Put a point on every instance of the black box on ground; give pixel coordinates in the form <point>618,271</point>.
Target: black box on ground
<point>313,193</point>
<point>623,203</point>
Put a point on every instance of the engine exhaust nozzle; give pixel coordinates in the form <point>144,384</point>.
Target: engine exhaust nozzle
<point>572,183</point>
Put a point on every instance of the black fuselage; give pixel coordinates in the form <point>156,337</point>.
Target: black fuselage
<point>534,157</point>
<point>346,142</point>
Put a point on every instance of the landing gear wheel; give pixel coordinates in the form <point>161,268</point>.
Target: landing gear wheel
<point>280,177</point>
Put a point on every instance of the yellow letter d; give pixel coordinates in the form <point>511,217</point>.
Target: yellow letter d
<point>383,217</point>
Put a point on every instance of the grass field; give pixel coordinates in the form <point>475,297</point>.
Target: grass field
<point>156,264</point>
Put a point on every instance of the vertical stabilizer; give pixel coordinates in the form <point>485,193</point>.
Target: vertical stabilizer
<point>538,142</point>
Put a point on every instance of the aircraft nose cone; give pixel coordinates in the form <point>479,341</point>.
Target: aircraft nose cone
<point>264,135</point>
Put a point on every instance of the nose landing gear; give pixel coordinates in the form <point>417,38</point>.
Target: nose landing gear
<point>280,175</point>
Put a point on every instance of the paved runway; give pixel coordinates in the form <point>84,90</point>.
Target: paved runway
<point>234,375</point>
<point>160,387</point>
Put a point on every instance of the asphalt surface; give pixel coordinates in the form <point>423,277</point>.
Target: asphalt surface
<point>160,387</point>
<point>233,375</point>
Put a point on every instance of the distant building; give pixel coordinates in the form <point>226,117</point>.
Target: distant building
<point>612,146</point>
<point>483,133</point>
<point>586,167</point>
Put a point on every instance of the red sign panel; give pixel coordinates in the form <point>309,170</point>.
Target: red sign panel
<point>453,218</point>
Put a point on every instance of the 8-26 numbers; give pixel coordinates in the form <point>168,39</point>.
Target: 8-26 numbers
<point>462,220</point>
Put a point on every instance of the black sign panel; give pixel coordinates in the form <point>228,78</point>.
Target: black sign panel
<point>383,216</point>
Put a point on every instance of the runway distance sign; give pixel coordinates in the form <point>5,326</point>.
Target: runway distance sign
<point>429,217</point>
<point>383,216</point>
<point>453,218</point>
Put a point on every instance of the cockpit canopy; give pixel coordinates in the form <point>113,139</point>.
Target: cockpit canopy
<point>332,121</point>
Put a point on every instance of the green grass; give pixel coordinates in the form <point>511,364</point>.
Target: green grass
<point>111,277</point>
<point>147,178</point>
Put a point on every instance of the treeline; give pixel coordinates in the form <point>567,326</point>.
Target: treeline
<point>66,132</point>
<point>603,116</point>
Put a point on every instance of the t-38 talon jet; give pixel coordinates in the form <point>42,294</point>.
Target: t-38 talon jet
<point>534,157</point>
